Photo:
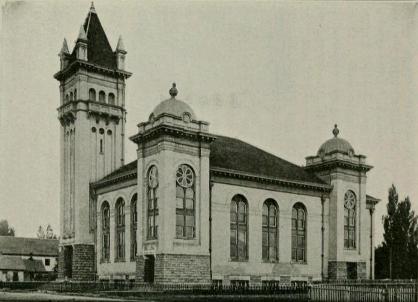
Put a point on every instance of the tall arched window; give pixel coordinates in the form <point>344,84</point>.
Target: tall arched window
<point>120,229</point>
<point>67,98</point>
<point>350,202</point>
<point>105,231</point>
<point>75,94</point>
<point>185,202</point>
<point>92,94</point>
<point>270,230</point>
<point>239,228</point>
<point>71,96</point>
<point>299,233</point>
<point>134,226</point>
<point>152,201</point>
<point>111,99</point>
<point>102,97</point>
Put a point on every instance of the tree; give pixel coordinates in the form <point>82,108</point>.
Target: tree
<point>41,233</point>
<point>5,229</point>
<point>49,234</point>
<point>396,257</point>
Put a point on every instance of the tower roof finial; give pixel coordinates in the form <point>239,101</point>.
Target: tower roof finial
<point>173,91</point>
<point>335,131</point>
<point>120,47</point>
<point>64,48</point>
<point>92,9</point>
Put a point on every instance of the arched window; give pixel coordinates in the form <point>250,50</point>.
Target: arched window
<point>350,201</point>
<point>270,230</point>
<point>67,98</point>
<point>92,94</point>
<point>239,228</point>
<point>111,99</point>
<point>134,226</point>
<point>71,96</point>
<point>102,97</point>
<point>299,233</point>
<point>120,229</point>
<point>75,94</point>
<point>185,202</point>
<point>105,231</point>
<point>152,203</point>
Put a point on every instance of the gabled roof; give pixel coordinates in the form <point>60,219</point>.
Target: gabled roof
<point>99,51</point>
<point>10,245</point>
<point>232,154</point>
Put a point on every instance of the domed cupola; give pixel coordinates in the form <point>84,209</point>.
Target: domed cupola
<point>335,145</point>
<point>173,107</point>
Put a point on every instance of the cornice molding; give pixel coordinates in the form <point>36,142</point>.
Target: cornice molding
<point>338,164</point>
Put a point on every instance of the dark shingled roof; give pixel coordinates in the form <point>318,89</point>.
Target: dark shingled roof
<point>26,246</point>
<point>235,155</point>
<point>16,263</point>
<point>99,51</point>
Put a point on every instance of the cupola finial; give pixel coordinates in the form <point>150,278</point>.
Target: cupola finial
<point>92,9</point>
<point>335,131</point>
<point>173,91</point>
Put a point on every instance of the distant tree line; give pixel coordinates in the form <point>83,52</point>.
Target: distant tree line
<point>5,229</point>
<point>397,256</point>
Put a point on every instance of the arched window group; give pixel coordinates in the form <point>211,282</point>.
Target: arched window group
<point>120,229</point>
<point>92,94</point>
<point>152,203</point>
<point>102,97</point>
<point>105,231</point>
<point>134,226</point>
<point>185,202</point>
<point>270,230</point>
<point>350,203</point>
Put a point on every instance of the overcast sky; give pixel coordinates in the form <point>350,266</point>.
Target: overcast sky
<point>275,74</point>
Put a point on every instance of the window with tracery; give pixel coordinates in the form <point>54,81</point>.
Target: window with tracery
<point>134,226</point>
<point>238,228</point>
<point>105,231</point>
<point>152,203</point>
<point>270,230</point>
<point>185,202</point>
<point>299,233</point>
<point>350,201</point>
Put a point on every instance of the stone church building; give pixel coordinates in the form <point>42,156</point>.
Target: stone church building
<point>195,207</point>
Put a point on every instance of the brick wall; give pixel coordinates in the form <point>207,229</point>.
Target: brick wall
<point>338,270</point>
<point>140,264</point>
<point>83,262</point>
<point>61,264</point>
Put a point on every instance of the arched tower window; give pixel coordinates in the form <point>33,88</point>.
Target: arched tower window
<point>111,99</point>
<point>350,202</point>
<point>102,97</point>
<point>152,203</point>
<point>105,211</point>
<point>92,94</point>
<point>185,202</point>
<point>239,228</point>
<point>120,229</point>
<point>67,98</point>
<point>75,94</point>
<point>270,230</point>
<point>134,226</point>
<point>299,233</point>
<point>71,96</point>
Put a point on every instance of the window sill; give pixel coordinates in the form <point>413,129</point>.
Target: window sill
<point>119,260</point>
<point>299,262</point>
<point>104,261</point>
<point>238,260</point>
<point>350,249</point>
<point>270,261</point>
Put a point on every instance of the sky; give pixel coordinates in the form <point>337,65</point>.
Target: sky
<point>276,74</point>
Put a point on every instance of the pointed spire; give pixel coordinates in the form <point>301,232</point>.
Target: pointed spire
<point>64,48</point>
<point>92,9</point>
<point>120,47</point>
<point>82,34</point>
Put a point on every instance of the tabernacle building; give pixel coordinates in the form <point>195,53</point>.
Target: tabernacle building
<point>193,206</point>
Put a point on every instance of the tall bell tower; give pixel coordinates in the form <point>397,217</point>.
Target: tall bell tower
<point>92,136</point>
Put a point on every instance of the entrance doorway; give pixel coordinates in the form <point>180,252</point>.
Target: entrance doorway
<point>351,270</point>
<point>68,261</point>
<point>149,269</point>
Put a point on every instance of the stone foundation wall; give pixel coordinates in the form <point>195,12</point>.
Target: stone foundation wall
<point>83,262</point>
<point>140,264</point>
<point>338,270</point>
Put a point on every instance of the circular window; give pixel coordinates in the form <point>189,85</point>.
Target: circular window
<point>101,130</point>
<point>186,117</point>
<point>109,132</point>
<point>153,177</point>
<point>185,176</point>
<point>349,200</point>
<point>93,129</point>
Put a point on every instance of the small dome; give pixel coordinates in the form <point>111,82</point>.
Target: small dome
<point>173,106</point>
<point>336,144</point>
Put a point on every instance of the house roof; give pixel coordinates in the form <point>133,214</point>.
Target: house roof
<point>235,155</point>
<point>99,51</point>
<point>10,245</point>
<point>16,263</point>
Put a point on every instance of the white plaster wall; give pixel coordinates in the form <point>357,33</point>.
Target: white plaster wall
<point>222,265</point>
